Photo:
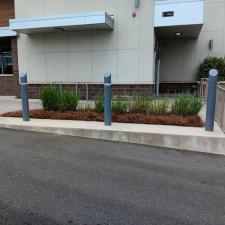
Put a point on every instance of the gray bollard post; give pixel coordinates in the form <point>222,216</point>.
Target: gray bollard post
<point>107,100</point>
<point>24,97</point>
<point>211,100</point>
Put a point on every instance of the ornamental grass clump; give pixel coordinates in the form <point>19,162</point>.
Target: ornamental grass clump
<point>187,105</point>
<point>119,107</point>
<point>50,98</point>
<point>158,107</point>
<point>55,100</point>
<point>140,104</point>
<point>68,101</point>
<point>99,103</point>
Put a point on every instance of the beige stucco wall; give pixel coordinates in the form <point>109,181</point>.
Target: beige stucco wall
<point>180,58</point>
<point>84,56</point>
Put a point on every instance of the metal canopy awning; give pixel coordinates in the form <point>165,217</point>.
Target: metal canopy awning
<point>7,32</point>
<point>185,31</point>
<point>81,21</point>
<point>178,18</point>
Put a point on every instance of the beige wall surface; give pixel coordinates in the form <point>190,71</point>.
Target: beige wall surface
<point>127,51</point>
<point>180,58</point>
<point>84,56</point>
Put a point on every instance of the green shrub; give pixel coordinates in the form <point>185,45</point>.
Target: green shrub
<point>120,107</point>
<point>68,101</point>
<point>212,63</point>
<point>158,107</point>
<point>50,98</point>
<point>140,104</point>
<point>99,103</point>
<point>55,100</point>
<point>187,105</point>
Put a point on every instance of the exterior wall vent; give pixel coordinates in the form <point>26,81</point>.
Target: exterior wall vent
<point>168,14</point>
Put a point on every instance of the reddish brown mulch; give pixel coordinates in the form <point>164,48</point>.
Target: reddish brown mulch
<point>169,119</point>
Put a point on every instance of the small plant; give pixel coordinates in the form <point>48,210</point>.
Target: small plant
<point>158,107</point>
<point>140,104</point>
<point>50,98</point>
<point>68,101</point>
<point>99,103</point>
<point>212,63</point>
<point>187,105</point>
<point>120,107</point>
<point>55,100</point>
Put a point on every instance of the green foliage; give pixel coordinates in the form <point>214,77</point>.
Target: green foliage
<point>158,107</point>
<point>212,63</point>
<point>55,100</point>
<point>50,98</point>
<point>187,105</point>
<point>99,103</point>
<point>68,101</point>
<point>140,104</point>
<point>120,107</point>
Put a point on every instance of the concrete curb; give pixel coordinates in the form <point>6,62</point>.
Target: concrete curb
<point>205,142</point>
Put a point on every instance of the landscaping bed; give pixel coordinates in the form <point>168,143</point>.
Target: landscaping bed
<point>64,105</point>
<point>167,119</point>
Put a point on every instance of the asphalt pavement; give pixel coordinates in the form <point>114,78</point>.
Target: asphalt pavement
<point>58,180</point>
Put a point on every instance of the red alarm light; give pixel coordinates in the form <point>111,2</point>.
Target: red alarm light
<point>133,14</point>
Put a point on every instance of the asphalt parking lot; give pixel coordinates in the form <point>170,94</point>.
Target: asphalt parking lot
<point>49,179</point>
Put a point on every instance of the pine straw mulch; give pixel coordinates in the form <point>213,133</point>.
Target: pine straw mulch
<point>168,119</point>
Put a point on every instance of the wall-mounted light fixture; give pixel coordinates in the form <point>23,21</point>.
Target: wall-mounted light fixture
<point>178,34</point>
<point>136,3</point>
<point>211,44</point>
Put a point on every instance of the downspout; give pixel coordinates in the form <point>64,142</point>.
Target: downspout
<point>87,92</point>
<point>157,67</point>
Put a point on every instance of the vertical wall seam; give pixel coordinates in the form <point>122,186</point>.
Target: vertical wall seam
<point>45,56</point>
<point>67,50</point>
<point>117,44</point>
<point>139,42</point>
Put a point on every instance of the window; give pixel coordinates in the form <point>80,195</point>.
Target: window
<point>5,57</point>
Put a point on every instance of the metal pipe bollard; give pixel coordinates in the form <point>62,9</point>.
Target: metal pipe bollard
<point>107,100</point>
<point>211,100</point>
<point>24,97</point>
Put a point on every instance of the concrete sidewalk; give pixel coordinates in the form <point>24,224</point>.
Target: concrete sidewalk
<point>186,138</point>
<point>12,104</point>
